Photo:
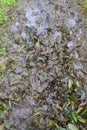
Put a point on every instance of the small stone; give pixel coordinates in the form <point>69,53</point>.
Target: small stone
<point>40,30</point>
<point>18,70</point>
<point>45,107</point>
<point>23,34</point>
<point>70,44</point>
<point>13,77</point>
<point>30,100</point>
<point>74,54</point>
<point>17,24</point>
<point>41,88</point>
<point>57,35</point>
<point>15,46</point>
<point>78,65</point>
<point>14,28</point>
<point>71,23</point>
<point>32,64</point>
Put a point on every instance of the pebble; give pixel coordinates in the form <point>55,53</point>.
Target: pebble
<point>71,23</point>
<point>70,44</point>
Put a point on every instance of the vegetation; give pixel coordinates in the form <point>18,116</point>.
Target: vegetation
<point>84,6</point>
<point>8,2</point>
<point>4,9</point>
<point>73,112</point>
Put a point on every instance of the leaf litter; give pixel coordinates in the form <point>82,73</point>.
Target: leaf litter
<point>43,82</point>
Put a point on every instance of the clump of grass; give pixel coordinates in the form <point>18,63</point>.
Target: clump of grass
<point>4,4</point>
<point>84,6</point>
<point>8,2</point>
<point>2,69</point>
<point>3,48</point>
<point>84,10</point>
<point>3,16</point>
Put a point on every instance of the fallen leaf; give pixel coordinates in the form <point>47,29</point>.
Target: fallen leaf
<point>70,84</point>
<point>1,127</point>
<point>72,127</point>
<point>82,104</point>
<point>14,83</point>
<point>74,116</point>
<point>82,120</point>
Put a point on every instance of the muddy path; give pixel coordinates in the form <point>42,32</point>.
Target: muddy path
<point>45,77</point>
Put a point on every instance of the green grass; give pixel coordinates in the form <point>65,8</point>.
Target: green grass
<point>3,48</point>
<point>8,2</point>
<point>4,4</point>
<point>3,16</point>
<point>84,6</point>
<point>84,11</point>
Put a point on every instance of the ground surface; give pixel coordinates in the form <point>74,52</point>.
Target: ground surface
<point>44,86</point>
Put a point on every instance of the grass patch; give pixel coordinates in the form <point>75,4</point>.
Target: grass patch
<point>3,16</point>
<point>8,2</point>
<point>4,7</point>
<point>84,10</point>
<point>2,70</point>
<point>3,48</point>
<point>84,6</point>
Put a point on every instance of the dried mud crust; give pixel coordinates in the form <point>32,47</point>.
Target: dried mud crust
<point>47,49</point>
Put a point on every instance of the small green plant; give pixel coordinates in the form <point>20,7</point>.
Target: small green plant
<point>6,126</point>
